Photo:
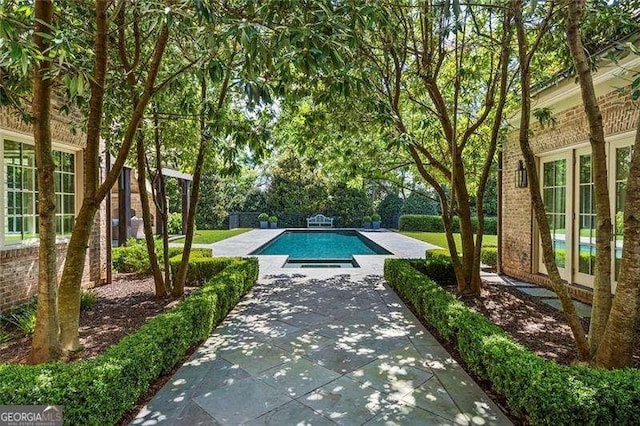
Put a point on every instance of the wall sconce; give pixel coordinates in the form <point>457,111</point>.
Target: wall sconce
<point>521,175</point>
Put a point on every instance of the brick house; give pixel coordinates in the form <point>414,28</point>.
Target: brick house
<point>18,213</point>
<point>564,164</point>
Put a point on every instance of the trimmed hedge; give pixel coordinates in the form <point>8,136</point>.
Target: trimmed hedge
<point>542,391</point>
<point>101,390</point>
<point>201,266</point>
<point>134,256</point>
<point>433,223</point>
<point>489,256</point>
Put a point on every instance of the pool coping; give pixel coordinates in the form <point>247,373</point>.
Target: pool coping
<point>370,264</point>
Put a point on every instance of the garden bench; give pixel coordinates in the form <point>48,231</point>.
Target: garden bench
<point>319,220</point>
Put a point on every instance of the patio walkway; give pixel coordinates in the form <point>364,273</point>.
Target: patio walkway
<point>301,350</point>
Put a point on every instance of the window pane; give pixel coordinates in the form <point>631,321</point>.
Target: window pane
<point>548,174</point>
<point>67,183</point>
<point>68,204</point>
<point>28,156</point>
<point>68,224</point>
<point>67,162</point>
<point>561,178</point>
<point>585,169</point>
<point>11,152</point>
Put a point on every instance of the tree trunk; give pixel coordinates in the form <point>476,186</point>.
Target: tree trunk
<point>45,345</point>
<point>179,282</point>
<point>163,209</point>
<point>158,281</point>
<point>602,296</point>
<point>69,306</point>
<point>620,335</point>
<point>466,230</point>
<point>559,288</point>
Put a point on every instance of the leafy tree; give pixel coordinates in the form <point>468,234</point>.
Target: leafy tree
<point>389,210</point>
<point>348,205</point>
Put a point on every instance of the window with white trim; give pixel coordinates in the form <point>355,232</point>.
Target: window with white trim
<point>20,177</point>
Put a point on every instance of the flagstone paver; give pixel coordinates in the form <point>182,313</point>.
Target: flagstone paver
<point>339,349</point>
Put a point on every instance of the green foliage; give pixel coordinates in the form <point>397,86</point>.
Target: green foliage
<point>273,219</point>
<point>23,317</point>
<point>175,223</point>
<point>297,191</point>
<point>347,205</point>
<point>437,265</point>
<point>420,223</point>
<point>489,256</point>
<point>542,391</point>
<point>424,223</point>
<point>389,210</point>
<point>5,336</point>
<point>367,219</point>
<point>263,217</point>
<point>375,217</point>
<point>134,257</point>
<point>221,194</point>
<point>101,390</point>
<point>416,203</point>
<point>201,266</point>
<point>88,298</point>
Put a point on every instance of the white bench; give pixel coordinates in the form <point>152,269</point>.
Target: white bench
<point>319,220</point>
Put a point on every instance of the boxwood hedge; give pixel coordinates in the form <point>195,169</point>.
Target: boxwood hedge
<point>542,391</point>
<point>99,391</point>
<point>433,223</point>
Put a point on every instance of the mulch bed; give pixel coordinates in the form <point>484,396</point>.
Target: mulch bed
<point>122,307</point>
<point>536,325</point>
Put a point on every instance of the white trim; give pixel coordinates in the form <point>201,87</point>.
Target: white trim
<point>76,150</point>
<point>176,174</point>
<point>565,272</point>
<point>612,71</point>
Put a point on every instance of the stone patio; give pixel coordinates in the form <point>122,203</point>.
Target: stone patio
<point>302,350</point>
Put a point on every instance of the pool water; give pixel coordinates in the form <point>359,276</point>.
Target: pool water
<point>320,245</point>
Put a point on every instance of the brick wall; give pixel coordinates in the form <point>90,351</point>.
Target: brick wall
<point>571,128</point>
<point>19,265</point>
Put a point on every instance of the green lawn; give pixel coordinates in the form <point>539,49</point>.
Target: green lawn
<point>214,235</point>
<point>439,239</point>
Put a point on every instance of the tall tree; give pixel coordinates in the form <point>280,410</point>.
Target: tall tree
<point>45,343</point>
<point>94,191</point>
<point>527,48</point>
<point>602,296</point>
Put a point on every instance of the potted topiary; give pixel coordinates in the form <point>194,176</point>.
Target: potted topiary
<point>375,221</point>
<point>264,220</point>
<point>366,222</point>
<point>273,220</point>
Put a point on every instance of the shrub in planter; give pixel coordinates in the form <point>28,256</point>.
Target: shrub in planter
<point>175,224</point>
<point>273,221</point>
<point>366,222</point>
<point>375,221</point>
<point>489,256</point>
<point>264,220</point>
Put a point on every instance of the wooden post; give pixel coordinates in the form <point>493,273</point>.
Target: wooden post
<point>124,205</point>
<point>186,196</point>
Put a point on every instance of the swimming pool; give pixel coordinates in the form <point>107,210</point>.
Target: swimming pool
<point>321,245</point>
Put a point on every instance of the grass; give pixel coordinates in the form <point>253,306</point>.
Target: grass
<point>439,239</point>
<point>214,235</point>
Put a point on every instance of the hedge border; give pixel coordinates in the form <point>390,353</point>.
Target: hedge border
<point>101,390</point>
<point>433,223</point>
<point>542,391</point>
